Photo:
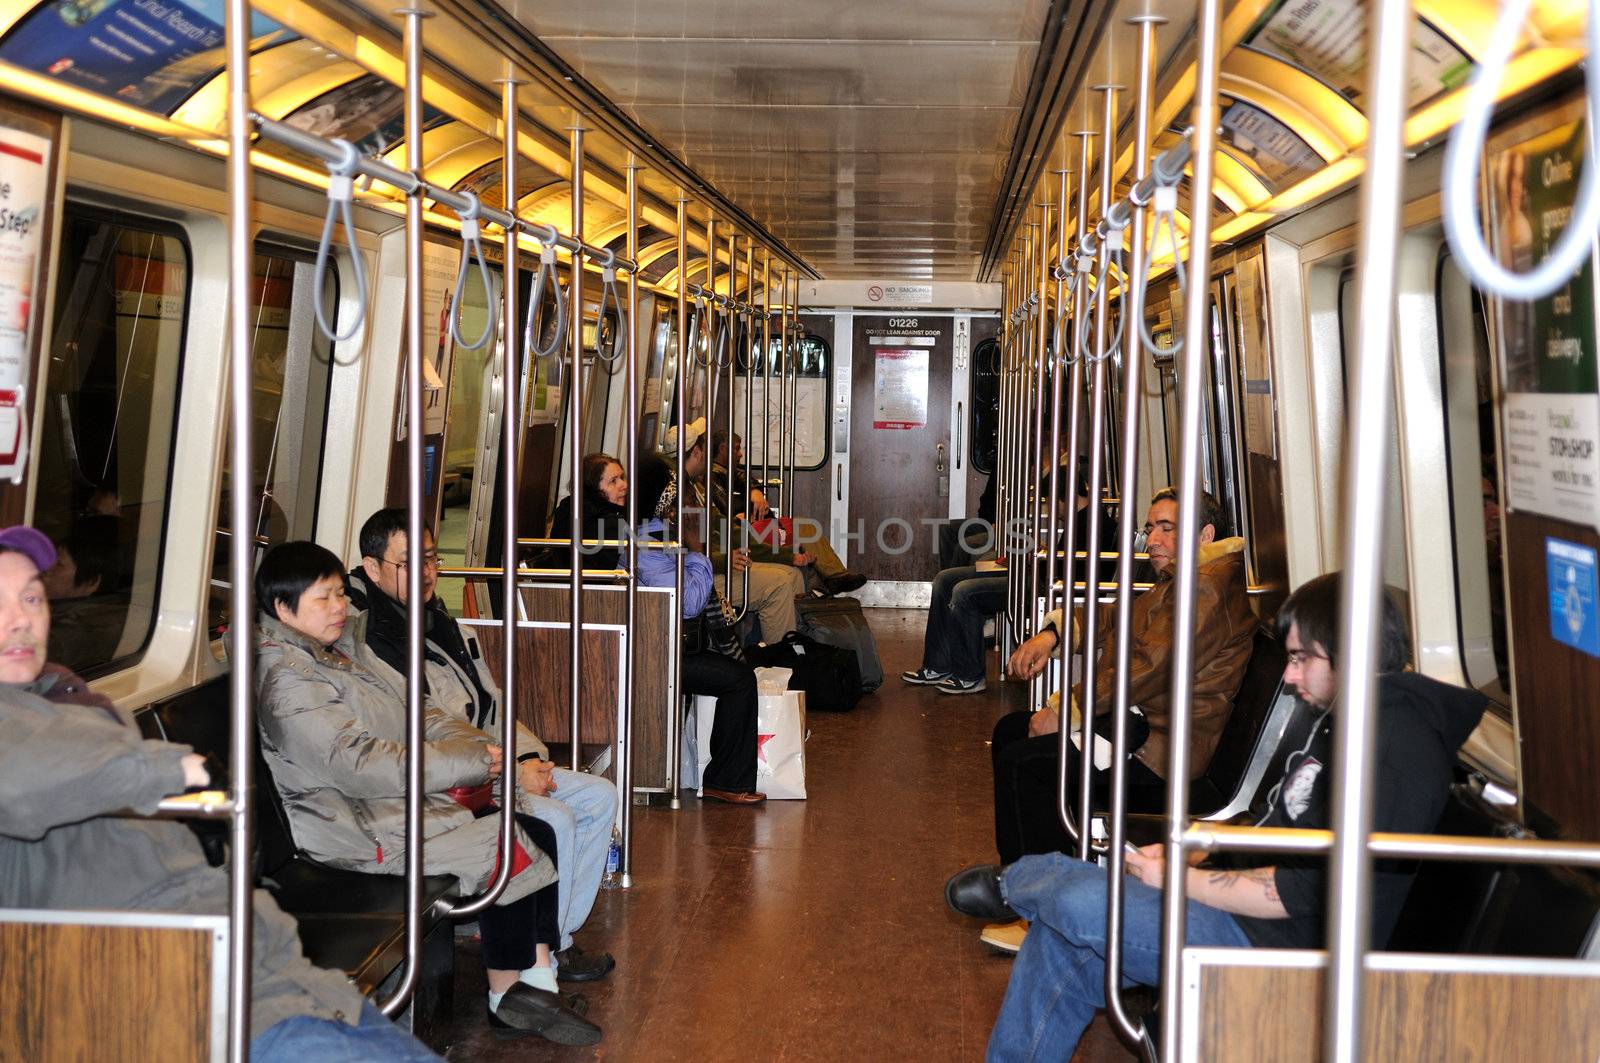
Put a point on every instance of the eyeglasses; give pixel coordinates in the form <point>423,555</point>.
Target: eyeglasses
<point>429,560</point>
<point>1296,658</point>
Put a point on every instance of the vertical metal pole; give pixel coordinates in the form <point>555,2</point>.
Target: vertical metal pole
<point>509,436</point>
<point>1097,429</point>
<point>415,503</point>
<point>1057,358</point>
<point>1193,385</point>
<point>1133,364</point>
<point>1080,306</point>
<point>630,387</point>
<point>733,363</point>
<point>766,371</point>
<point>575,454</point>
<point>241,382</point>
<point>675,655</point>
<point>783,393</point>
<point>711,396</point>
<point>1040,408</point>
<point>794,385</point>
<point>1367,436</point>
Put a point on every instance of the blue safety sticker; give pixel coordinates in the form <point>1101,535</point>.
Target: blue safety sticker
<point>1574,591</point>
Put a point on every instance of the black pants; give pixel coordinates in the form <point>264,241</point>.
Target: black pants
<point>733,732</point>
<point>511,931</point>
<point>1025,777</point>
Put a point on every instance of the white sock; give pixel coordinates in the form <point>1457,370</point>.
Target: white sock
<point>494,1000</point>
<point>539,978</point>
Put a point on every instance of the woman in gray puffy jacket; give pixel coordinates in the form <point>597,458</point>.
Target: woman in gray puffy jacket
<point>333,735</point>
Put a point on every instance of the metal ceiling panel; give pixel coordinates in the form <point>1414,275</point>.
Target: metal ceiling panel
<point>866,137</point>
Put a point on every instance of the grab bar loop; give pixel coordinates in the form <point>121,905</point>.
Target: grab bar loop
<point>1463,156</point>
<point>608,293</point>
<point>1165,207</point>
<point>471,246</point>
<point>341,190</point>
<point>546,275</point>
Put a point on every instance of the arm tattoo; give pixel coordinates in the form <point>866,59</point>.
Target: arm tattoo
<point>1264,877</point>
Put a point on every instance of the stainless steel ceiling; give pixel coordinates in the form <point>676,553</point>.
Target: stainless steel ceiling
<point>870,138</point>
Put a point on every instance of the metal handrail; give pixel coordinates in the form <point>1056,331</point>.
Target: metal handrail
<point>675,638</point>
<point>575,421</point>
<point>415,735</point>
<point>1074,434</point>
<point>744,540</point>
<point>1223,837</point>
<point>1195,321</point>
<point>630,388</point>
<point>1132,1031</point>
<point>1098,388</point>
<point>524,575</point>
<point>241,550</point>
<point>1057,365</point>
<point>1365,499</point>
<point>509,434</point>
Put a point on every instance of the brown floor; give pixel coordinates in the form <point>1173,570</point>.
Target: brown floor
<point>808,930</point>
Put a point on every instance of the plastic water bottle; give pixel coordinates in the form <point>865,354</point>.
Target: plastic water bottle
<point>612,879</point>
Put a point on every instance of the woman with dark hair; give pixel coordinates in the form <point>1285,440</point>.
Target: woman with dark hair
<point>731,775</point>
<point>605,496</point>
<point>333,734</point>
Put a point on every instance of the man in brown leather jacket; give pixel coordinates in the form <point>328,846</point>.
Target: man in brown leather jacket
<point>1026,749</point>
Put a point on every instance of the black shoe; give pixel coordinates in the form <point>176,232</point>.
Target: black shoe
<point>575,965</point>
<point>976,892</point>
<point>525,1010</point>
<point>844,582</point>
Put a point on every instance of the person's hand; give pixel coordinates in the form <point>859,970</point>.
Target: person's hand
<point>1044,722</point>
<point>1029,659</point>
<point>741,560</point>
<point>194,772</point>
<point>497,761</point>
<point>1147,864</point>
<point>802,559</point>
<point>537,777</point>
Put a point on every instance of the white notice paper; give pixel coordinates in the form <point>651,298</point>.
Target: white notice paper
<point>900,387</point>
<point>1553,455</point>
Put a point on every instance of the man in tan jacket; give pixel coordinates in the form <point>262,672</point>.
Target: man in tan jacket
<point>1026,749</point>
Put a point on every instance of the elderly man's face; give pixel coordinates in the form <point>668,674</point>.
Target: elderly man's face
<point>24,619</point>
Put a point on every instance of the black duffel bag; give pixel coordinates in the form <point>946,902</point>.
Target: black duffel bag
<point>829,675</point>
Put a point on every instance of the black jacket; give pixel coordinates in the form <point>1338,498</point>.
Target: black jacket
<point>1421,724</point>
<point>386,637</point>
<point>601,520</point>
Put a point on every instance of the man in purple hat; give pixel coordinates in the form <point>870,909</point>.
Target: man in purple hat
<point>72,767</point>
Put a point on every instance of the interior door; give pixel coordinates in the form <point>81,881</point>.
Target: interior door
<point>900,456</point>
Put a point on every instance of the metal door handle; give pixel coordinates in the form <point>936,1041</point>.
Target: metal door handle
<point>958,436</point>
<point>838,478</point>
<point>939,462</point>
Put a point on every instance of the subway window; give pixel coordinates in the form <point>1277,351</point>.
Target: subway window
<point>293,366</point>
<point>810,377</point>
<point>105,460</point>
<point>985,406</point>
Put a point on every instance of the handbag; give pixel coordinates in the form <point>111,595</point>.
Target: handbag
<point>715,630</point>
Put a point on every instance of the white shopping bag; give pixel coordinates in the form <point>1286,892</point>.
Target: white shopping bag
<point>780,738</point>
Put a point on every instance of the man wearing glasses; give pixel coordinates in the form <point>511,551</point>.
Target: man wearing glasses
<point>579,807</point>
<point>1234,900</point>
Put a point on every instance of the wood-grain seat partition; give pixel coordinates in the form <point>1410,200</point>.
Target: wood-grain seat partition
<point>112,985</point>
<point>1267,1004</point>
<point>542,701</point>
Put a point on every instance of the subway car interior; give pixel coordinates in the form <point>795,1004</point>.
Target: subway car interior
<point>829,467</point>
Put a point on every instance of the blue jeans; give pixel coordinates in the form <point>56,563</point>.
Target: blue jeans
<point>1058,980</point>
<point>581,810</point>
<point>307,1039</point>
<point>963,600</point>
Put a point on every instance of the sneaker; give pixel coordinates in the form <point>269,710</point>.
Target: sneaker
<point>924,677</point>
<point>1007,937</point>
<point>952,685</point>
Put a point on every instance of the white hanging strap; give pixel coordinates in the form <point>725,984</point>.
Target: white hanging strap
<point>472,246</point>
<point>341,190</point>
<point>545,276</point>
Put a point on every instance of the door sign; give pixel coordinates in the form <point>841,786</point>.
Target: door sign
<point>1574,619</point>
<point>24,166</point>
<point>900,387</point>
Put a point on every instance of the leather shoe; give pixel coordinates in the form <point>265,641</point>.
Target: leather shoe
<point>575,965</point>
<point>525,1010</point>
<point>733,797</point>
<point>844,582</point>
<point>976,892</point>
